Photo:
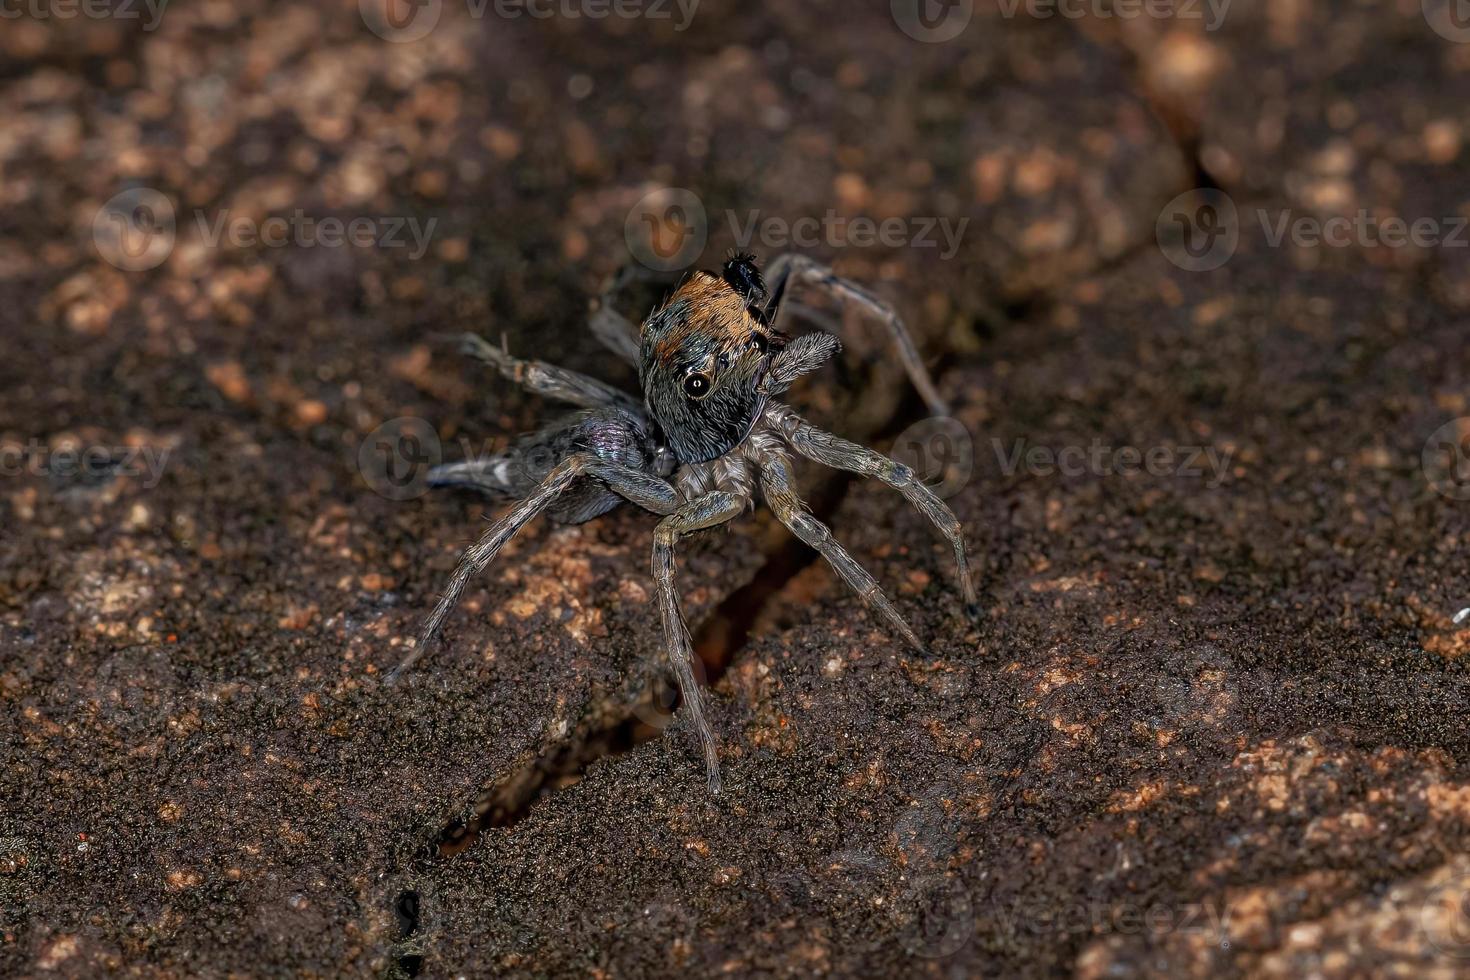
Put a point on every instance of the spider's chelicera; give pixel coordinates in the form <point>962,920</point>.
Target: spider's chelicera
<point>706,433</point>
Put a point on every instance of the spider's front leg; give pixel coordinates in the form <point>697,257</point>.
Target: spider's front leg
<point>709,510</point>
<point>830,450</point>
<point>793,268</point>
<point>781,496</point>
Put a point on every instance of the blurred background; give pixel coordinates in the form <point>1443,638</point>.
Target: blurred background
<point>1193,275</point>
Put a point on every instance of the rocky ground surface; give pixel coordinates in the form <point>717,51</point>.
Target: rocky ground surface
<point>1209,722</point>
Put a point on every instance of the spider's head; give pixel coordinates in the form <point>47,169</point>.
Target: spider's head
<point>704,354</point>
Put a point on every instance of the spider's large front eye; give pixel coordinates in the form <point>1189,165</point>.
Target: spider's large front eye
<point>697,385</point>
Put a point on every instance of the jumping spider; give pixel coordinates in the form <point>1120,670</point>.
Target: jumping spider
<point>709,360</point>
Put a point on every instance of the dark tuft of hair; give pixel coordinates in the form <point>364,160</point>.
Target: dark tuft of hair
<point>744,276</point>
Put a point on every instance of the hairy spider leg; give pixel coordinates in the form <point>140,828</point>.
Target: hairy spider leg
<point>710,509</point>
<point>646,491</point>
<point>781,496</point>
<point>548,380</point>
<point>836,452</point>
<point>794,268</point>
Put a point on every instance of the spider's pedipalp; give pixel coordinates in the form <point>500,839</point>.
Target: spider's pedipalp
<point>781,496</point>
<point>836,452</point>
<point>711,509</point>
<point>800,357</point>
<point>793,268</point>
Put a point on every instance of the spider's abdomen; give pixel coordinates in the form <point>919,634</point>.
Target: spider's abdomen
<point>612,434</point>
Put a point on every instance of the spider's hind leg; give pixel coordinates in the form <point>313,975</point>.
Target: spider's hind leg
<point>793,269</point>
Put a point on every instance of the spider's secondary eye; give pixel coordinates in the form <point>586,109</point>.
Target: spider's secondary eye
<point>760,343</point>
<point>697,385</point>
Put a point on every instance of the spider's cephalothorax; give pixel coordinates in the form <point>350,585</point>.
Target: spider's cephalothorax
<point>703,357</point>
<point>710,361</point>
